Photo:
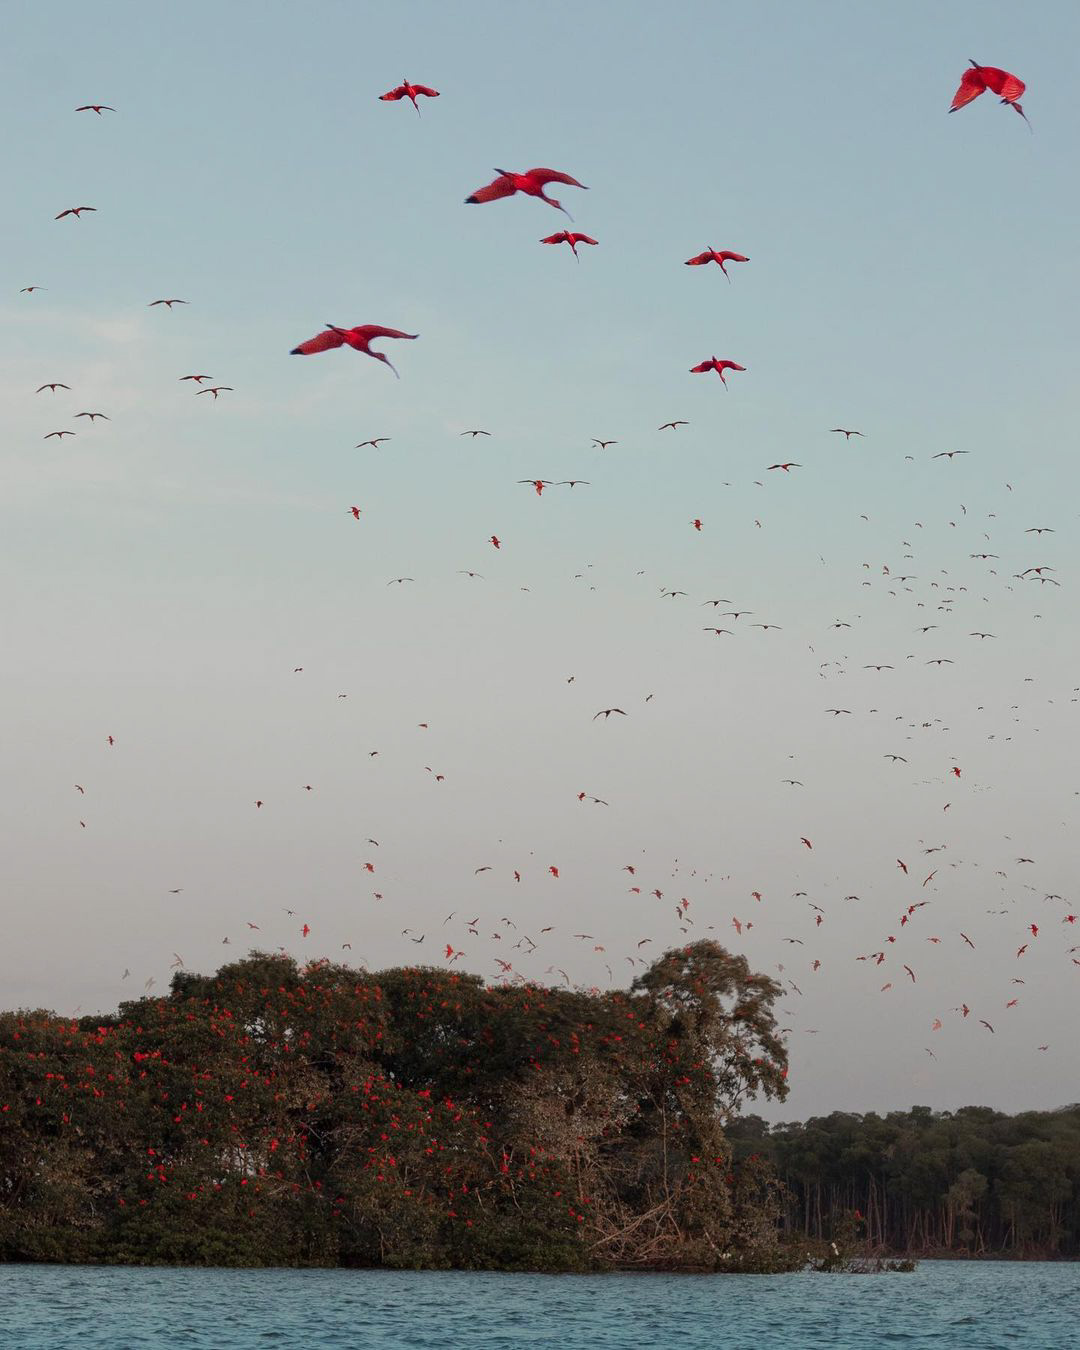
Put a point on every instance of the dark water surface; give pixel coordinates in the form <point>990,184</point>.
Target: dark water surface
<point>942,1306</point>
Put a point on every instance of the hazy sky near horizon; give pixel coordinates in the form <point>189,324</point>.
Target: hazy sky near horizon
<point>912,275</point>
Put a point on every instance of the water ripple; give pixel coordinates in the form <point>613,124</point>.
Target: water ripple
<point>941,1306</point>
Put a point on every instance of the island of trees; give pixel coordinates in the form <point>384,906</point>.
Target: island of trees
<point>273,1114</point>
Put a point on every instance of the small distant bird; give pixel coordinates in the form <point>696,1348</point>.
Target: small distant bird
<point>787,468</point>
<point>605,713</point>
<point>375,442</point>
<point>476,433</point>
<point>569,237</point>
<point>215,389</point>
<point>720,256</point>
<point>718,366</point>
<point>409,91</point>
<point>359,339</point>
<point>53,387</point>
<point>60,434</point>
<point>603,445</point>
<point>168,303</point>
<point>978,79</point>
<point>949,454</point>
<point>672,425</point>
<point>98,108</point>
<point>532,182</point>
<point>93,415</point>
<point>74,211</point>
<point>197,378</point>
<point>495,541</point>
<point>29,290</point>
<point>847,434</point>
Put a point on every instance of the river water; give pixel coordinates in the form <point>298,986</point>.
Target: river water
<point>941,1306</point>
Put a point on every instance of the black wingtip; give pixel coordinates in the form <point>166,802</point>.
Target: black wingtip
<point>296,352</point>
<point>470,201</point>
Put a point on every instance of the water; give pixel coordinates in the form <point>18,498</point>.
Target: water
<point>942,1306</point>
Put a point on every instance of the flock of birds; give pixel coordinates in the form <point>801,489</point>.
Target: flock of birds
<point>921,920</point>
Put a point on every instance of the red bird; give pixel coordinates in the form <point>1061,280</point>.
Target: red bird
<point>532,182</point>
<point>718,366</point>
<point>74,211</point>
<point>305,930</point>
<point>409,91</point>
<point>496,541</point>
<point>359,339</point>
<point>569,237</point>
<point>720,256</point>
<point>978,79</point>
<point>99,108</point>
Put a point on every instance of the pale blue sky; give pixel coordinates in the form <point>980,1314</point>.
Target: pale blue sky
<point>912,274</point>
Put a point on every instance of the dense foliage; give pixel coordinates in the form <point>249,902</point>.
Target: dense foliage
<point>271,1114</point>
<point>969,1182</point>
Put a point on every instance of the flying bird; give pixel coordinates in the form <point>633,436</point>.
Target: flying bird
<point>409,91</point>
<point>673,425</point>
<point>847,434</point>
<point>719,366</point>
<point>720,256</point>
<point>167,303</point>
<point>569,237</point>
<point>978,79</point>
<point>74,211</point>
<point>532,182</point>
<point>98,108</point>
<point>358,338</point>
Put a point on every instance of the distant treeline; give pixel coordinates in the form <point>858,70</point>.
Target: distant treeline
<point>278,1115</point>
<point>971,1182</point>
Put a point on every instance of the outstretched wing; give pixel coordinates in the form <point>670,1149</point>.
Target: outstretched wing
<point>365,332</point>
<point>393,95</point>
<point>322,342</point>
<point>503,186</point>
<point>699,370</point>
<point>1006,86</point>
<point>583,239</point>
<point>423,89</point>
<point>545,176</point>
<point>561,238</point>
<point>972,85</point>
<point>701,258</point>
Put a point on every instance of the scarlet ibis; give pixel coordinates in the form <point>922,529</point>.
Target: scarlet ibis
<point>409,91</point>
<point>532,182</point>
<point>358,338</point>
<point>569,237</point>
<point>720,256</point>
<point>978,79</point>
<point>718,366</point>
<point>74,211</point>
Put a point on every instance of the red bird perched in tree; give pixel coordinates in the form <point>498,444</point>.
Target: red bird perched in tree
<point>569,237</point>
<point>978,79</point>
<point>532,182</point>
<point>409,91</point>
<point>718,366</point>
<point>359,339</point>
<point>720,256</point>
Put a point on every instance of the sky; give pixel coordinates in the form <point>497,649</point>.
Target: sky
<point>187,577</point>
